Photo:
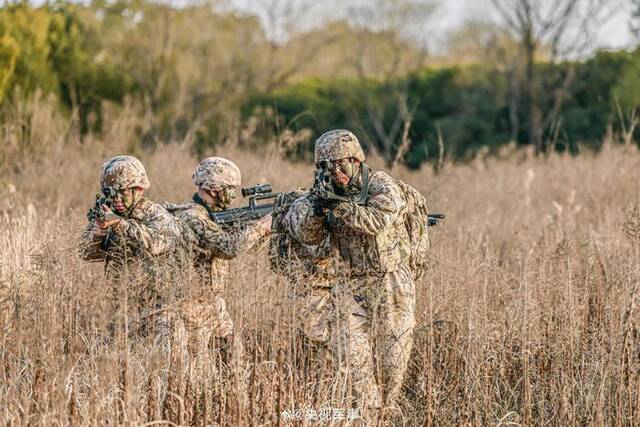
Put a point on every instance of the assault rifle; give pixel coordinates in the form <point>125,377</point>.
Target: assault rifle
<point>104,199</point>
<point>324,193</point>
<point>96,213</point>
<point>251,212</point>
<point>325,196</point>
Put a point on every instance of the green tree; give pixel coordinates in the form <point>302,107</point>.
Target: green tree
<point>627,89</point>
<point>57,49</point>
<point>25,49</point>
<point>9,50</point>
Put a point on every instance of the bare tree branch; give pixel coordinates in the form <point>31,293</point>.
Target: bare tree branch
<point>563,28</point>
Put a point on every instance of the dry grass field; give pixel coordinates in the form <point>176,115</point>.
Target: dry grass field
<point>529,314</point>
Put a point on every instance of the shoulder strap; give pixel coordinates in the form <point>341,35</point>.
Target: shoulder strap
<point>198,200</point>
<point>364,190</point>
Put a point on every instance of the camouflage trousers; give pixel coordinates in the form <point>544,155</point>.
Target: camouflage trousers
<point>199,353</point>
<point>204,346</point>
<point>155,324</point>
<point>188,327</point>
<point>362,321</point>
<point>201,321</point>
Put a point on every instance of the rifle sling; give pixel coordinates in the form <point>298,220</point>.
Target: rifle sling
<point>364,191</point>
<point>197,199</point>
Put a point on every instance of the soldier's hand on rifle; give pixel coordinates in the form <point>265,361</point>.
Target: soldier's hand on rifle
<point>322,206</point>
<point>109,222</point>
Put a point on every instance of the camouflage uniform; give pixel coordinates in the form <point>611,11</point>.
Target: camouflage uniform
<point>308,269</point>
<point>373,298</point>
<point>204,313</point>
<point>144,250</point>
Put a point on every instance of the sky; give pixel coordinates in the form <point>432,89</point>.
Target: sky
<point>614,35</point>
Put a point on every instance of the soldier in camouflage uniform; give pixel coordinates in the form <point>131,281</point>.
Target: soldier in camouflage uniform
<point>140,245</point>
<point>204,313</point>
<point>373,297</point>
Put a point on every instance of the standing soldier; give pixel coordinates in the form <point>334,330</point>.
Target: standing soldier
<point>373,295</point>
<point>138,240</point>
<point>204,313</point>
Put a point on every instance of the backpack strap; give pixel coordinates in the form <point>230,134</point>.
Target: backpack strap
<point>198,200</point>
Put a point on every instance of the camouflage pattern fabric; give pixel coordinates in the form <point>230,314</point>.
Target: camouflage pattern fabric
<point>315,313</point>
<point>215,173</point>
<point>203,320</point>
<point>365,240</point>
<point>305,266</point>
<point>147,254</point>
<point>123,172</point>
<point>146,232</point>
<point>391,300</point>
<point>373,297</point>
<point>204,312</point>
<point>337,144</point>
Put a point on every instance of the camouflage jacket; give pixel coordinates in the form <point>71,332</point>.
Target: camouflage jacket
<point>364,240</point>
<point>145,248</point>
<point>215,243</point>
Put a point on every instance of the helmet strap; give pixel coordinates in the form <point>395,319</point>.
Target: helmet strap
<point>354,175</point>
<point>135,202</point>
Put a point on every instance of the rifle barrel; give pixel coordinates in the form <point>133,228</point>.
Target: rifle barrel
<point>245,213</point>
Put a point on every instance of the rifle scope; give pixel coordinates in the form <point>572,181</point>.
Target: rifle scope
<point>109,192</point>
<point>256,189</point>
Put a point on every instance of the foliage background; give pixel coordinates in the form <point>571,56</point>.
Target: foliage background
<point>529,314</point>
<point>206,71</point>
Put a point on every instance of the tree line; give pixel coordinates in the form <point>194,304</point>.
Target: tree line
<point>464,108</point>
<point>209,74</point>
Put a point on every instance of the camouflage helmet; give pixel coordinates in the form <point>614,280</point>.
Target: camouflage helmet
<point>337,144</point>
<point>122,172</point>
<point>215,173</point>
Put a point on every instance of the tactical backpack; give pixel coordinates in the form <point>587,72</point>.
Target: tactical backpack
<point>416,220</point>
<point>285,251</point>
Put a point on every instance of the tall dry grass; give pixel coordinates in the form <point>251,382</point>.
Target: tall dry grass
<point>528,315</point>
